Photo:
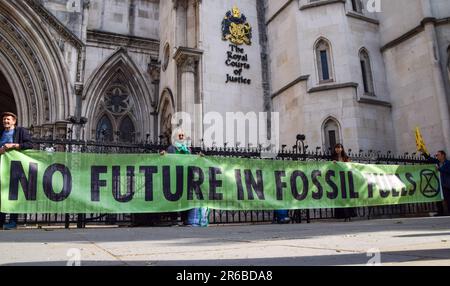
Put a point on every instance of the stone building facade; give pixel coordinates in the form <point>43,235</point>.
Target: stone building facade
<point>387,71</point>
<point>361,72</point>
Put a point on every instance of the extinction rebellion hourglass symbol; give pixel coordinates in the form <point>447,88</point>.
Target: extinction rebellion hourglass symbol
<point>429,184</point>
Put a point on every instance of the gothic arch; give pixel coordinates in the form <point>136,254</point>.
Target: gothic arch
<point>119,70</point>
<point>166,97</point>
<point>166,110</point>
<point>324,61</point>
<point>331,124</point>
<point>133,132</point>
<point>33,66</point>
<point>366,71</point>
<point>102,129</point>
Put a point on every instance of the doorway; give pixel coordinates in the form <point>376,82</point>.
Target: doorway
<point>7,102</point>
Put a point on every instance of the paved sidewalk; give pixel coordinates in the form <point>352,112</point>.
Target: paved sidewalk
<point>413,241</point>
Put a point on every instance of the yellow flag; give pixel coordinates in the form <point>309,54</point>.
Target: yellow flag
<point>420,143</point>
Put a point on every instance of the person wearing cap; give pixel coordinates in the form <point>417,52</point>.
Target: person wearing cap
<point>12,137</point>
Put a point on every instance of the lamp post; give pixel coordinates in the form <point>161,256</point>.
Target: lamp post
<point>78,122</point>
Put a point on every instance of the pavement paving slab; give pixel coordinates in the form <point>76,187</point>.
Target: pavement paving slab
<point>407,241</point>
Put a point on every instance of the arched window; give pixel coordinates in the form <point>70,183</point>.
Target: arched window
<point>324,63</point>
<point>117,100</point>
<point>332,134</point>
<point>116,124</point>
<point>105,130</point>
<point>166,114</point>
<point>126,130</point>
<point>366,71</point>
<point>119,88</point>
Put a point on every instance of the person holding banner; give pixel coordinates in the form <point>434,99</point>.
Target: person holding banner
<point>443,166</point>
<point>12,138</point>
<point>339,155</point>
<point>196,216</point>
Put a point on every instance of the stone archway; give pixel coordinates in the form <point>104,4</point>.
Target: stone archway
<point>166,112</point>
<point>331,130</point>
<point>33,66</point>
<point>117,88</point>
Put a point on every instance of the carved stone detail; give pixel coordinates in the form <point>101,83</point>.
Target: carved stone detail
<point>186,58</point>
<point>65,33</point>
<point>55,23</point>
<point>12,31</point>
<point>107,38</point>
<point>188,65</point>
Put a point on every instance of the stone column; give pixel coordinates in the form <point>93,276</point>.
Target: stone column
<point>191,24</point>
<point>155,74</point>
<point>188,98</point>
<point>76,129</point>
<point>188,90</point>
<point>181,22</point>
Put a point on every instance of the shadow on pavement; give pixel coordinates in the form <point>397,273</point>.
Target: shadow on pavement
<point>227,234</point>
<point>419,257</point>
<point>425,234</point>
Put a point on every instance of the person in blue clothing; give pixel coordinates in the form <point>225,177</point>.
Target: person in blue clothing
<point>443,166</point>
<point>281,216</point>
<point>12,138</point>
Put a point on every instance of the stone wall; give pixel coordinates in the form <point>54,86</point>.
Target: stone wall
<point>68,12</point>
<point>399,17</point>
<point>304,107</point>
<point>413,92</point>
<point>129,17</point>
<point>168,41</point>
<point>414,72</point>
<point>408,44</point>
<point>440,8</point>
<point>220,96</point>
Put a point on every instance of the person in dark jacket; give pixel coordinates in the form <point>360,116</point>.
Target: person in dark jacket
<point>339,155</point>
<point>12,138</point>
<point>443,166</point>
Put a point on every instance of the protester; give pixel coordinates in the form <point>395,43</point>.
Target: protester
<point>196,216</point>
<point>339,155</point>
<point>12,138</point>
<point>443,166</point>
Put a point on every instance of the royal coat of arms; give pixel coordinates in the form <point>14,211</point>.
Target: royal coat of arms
<point>235,28</point>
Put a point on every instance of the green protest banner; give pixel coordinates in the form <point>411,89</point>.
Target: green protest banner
<point>49,182</point>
